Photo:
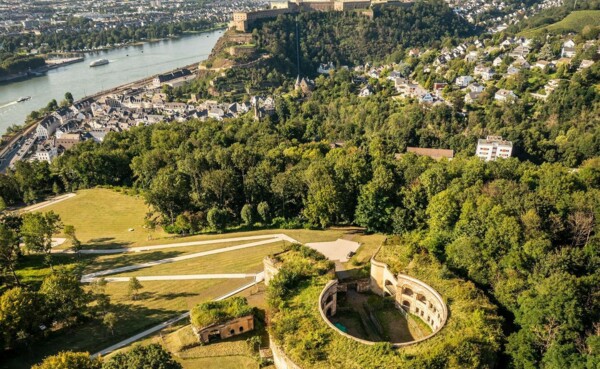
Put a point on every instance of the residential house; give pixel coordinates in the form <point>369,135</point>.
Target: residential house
<point>512,70</point>
<point>503,95</point>
<point>486,73</point>
<point>542,64</point>
<point>68,140</point>
<point>45,153</point>
<point>520,51</point>
<point>493,147</point>
<point>471,97</point>
<point>585,64</point>
<point>47,127</point>
<point>568,49</point>
<point>325,68</point>
<point>365,92</point>
<point>475,87</point>
<point>463,81</point>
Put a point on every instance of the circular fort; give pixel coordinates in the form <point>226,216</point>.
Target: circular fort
<point>416,302</point>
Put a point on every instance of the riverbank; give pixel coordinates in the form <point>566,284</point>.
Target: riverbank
<point>49,65</point>
<point>126,65</point>
<point>9,143</point>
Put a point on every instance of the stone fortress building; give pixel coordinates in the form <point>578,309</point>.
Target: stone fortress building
<point>411,296</point>
<point>242,21</point>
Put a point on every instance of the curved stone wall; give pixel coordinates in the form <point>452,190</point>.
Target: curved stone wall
<point>411,295</point>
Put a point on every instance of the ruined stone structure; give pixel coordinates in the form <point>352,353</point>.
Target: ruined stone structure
<point>225,330</point>
<point>410,294</point>
<point>270,269</point>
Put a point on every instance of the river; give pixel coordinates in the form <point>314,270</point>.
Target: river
<point>126,65</point>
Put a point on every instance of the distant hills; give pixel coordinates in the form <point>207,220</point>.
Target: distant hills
<point>574,22</point>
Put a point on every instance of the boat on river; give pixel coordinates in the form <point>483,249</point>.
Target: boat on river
<point>98,62</point>
<point>22,99</point>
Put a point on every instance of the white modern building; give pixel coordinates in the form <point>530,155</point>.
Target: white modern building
<point>494,147</point>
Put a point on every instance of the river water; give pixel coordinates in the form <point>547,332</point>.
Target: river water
<point>126,65</point>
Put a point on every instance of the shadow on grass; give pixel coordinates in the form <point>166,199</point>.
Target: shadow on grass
<point>172,296</point>
<point>101,262</point>
<point>106,243</point>
<point>89,335</point>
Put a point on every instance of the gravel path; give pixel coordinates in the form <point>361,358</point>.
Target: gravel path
<point>183,277</point>
<point>90,277</point>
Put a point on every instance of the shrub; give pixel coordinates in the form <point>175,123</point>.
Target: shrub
<point>217,219</point>
<point>264,211</point>
<point>248,215</point>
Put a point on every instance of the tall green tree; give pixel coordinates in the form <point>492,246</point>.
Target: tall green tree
<point>37,231</point>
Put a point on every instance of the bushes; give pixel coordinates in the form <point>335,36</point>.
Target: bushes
<point>217,219</point>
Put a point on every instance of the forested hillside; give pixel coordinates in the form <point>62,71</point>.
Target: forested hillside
<point>351,38</point>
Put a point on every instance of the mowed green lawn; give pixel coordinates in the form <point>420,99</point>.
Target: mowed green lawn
<point>240,261</point>
<point>103,217</point>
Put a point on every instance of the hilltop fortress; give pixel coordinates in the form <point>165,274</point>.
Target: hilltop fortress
<point>242,21</point>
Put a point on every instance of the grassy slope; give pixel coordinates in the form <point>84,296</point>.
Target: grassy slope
<point>574,22</point>
<point>102,218</point>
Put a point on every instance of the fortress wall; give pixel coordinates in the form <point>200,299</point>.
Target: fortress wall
<point>280,359</point>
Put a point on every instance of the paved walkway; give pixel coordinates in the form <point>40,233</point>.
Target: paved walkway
<point>89,277</point>
<point>277,236</point>
<point>335,250</point>
<point>43,204</point>
<point>164,325</point>
<point>180,277</point>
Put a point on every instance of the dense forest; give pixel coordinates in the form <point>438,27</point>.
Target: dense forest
<point>350,38</point>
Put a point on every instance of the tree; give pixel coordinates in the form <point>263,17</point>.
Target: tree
<point>217,219</point>
<point>109,321</point>
<point>69,98</point>
<point>69,360</point>
<point>169,193</point>
<point>37,231</point>
<point>63,295</point>
<point>134,287</point>
<point>248,215</point>
<point>375,206</point>
<point>2,204</point>
<point>19,312</point>
<point>69,231</point>
<point>264,211</point>
<point>9,251</point>
<point>152,356</point>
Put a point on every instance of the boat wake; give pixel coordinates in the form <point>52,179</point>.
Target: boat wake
<point>7,105</point>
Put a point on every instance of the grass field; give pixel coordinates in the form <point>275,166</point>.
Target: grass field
<point>102,218</point>
<point>239,261</point>
<point>574,22</point>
